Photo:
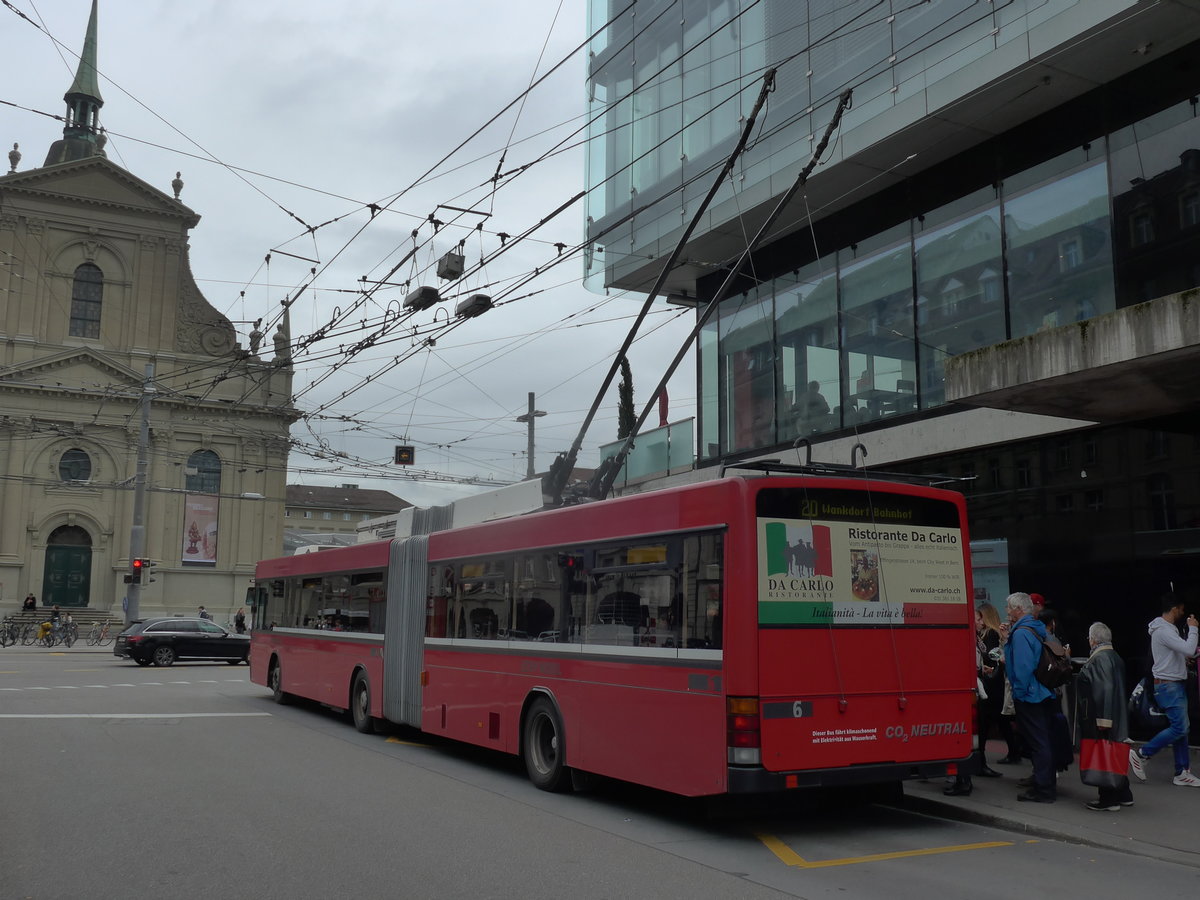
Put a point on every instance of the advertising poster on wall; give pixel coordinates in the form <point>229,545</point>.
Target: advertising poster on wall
<point>200,530</point>
<point>851,573</point>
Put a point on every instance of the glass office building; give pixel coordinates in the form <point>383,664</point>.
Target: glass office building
<point>1004,168</point>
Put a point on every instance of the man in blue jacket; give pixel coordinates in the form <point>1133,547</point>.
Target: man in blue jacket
<point>1035,703</point>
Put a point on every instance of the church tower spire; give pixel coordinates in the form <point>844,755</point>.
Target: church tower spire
<point>82,135</point>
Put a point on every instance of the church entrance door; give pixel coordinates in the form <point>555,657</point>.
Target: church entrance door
<point>68,574</point>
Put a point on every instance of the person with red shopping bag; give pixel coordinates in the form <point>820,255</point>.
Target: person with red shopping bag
<point>1103,723</point>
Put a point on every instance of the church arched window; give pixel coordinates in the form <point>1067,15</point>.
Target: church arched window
<point>86,295</point>
<point>203,472</point>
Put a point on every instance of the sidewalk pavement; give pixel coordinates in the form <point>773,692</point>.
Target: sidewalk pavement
<point>1161,824</point>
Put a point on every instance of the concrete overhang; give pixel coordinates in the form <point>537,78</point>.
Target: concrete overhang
<point>1134,364</point>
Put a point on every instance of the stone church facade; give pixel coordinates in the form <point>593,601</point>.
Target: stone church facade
<point>98,306</point>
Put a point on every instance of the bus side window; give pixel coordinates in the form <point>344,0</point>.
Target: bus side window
<point>702,591</point>
<point>437,601</point>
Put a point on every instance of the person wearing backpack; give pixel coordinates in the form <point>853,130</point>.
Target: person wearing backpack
<point>1035,703</point>
<point>1170,653</point>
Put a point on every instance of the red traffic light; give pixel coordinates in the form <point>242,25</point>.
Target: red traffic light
<point>138,564</point>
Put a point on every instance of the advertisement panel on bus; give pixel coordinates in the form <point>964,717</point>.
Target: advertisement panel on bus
<point>864,610</point>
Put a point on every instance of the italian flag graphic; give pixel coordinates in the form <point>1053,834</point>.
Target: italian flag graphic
<point>798,550</point>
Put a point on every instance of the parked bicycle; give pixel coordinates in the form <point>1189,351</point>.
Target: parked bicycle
<point>65,633</point>
<point>101,634</point>
<point>10,631</point>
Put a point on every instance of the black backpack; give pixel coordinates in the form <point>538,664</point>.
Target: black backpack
<point>1054,667</point>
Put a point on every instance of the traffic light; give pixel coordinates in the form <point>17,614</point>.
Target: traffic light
<point>141,571</point>
<point>405,455</point>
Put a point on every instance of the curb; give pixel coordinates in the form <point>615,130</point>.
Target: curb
<point>1002,819</point>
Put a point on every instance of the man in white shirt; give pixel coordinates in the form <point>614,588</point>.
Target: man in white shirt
<point>1170,653</point>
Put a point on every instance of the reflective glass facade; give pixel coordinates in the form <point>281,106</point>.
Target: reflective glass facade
<point>670,83</point>
<point>1005,169</point>
<point>872,323</point>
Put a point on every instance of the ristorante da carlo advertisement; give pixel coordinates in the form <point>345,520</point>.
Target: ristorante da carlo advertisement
<point>838,558</point>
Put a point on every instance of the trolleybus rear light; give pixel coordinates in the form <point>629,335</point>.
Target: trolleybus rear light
<point>743,731</point>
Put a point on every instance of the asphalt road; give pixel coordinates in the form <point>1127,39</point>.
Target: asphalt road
<point>189,782</point>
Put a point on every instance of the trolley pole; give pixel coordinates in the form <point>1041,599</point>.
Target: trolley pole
<point>137,533</point>
<point>528,419</point>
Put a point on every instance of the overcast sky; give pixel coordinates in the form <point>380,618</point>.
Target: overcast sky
<point>282,115</point>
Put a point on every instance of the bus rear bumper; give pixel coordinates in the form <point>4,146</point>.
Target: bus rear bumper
<point>757,780</point>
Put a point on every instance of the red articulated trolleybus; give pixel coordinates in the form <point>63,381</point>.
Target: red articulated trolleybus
<point>754,633</point>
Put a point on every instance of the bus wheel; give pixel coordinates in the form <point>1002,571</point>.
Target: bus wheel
<point>275,683</point>
<point>360,704</point>
<point>543,747</point>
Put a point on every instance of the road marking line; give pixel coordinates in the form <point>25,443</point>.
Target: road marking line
<point>13,672</point>
<point>159,683</point>
<point>213,715</point>
<point>67,687</point>
<point>790,857</point>
<point>176,682</point>
<point>10,689</point>
<point>96,685</point>
<point>208,681</point>
<point>124,684</point>
<point>37,689</point>
<point>396,740</point>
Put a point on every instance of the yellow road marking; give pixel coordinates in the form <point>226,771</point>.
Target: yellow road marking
<point>790,857</point>
<point>396,740</point>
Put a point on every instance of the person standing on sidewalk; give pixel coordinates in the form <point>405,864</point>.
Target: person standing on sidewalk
<point>1100,689</point>
<point>1035,703</point>
<point>1170,653</point>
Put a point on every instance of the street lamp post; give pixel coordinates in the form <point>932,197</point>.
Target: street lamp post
<point>528,420</point>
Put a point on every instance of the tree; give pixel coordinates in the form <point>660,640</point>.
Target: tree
<point>626,417</point>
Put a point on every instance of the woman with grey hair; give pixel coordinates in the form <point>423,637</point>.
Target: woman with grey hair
<point>1100,689</point>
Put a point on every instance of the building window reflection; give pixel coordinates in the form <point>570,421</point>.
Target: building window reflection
<point>878,346</point>
<point>747,371</point>
<point>87,294</point>
<point>1060,267</point>
<point>203,474</point>
<point>807,361</point>
<point>1162,502</point>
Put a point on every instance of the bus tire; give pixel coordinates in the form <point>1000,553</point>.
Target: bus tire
<point>360,705</point>
<point>275,683</point>
<point>543,746</point>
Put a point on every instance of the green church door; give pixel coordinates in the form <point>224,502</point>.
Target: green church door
<point>68,573</point>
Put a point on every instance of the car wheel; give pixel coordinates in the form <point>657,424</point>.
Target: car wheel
<point>543,747</point>
<point>360,704</point>
<point>142,662</point>
<point>275,683</point>
<point>163,656</point>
